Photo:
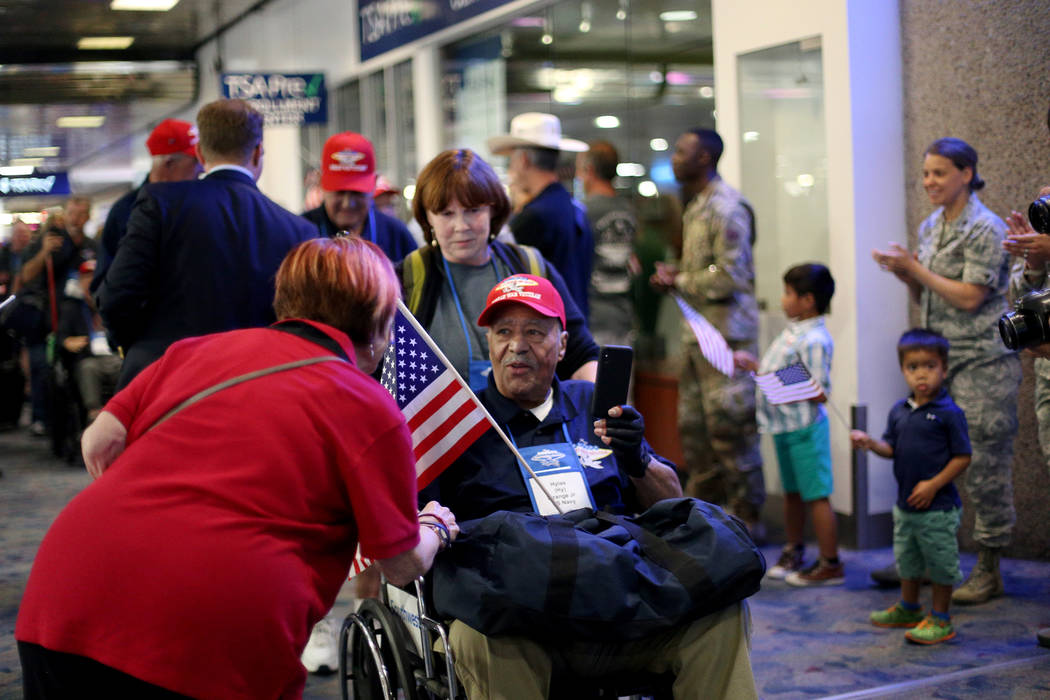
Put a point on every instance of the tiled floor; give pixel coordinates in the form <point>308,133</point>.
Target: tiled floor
<point>810,643</point>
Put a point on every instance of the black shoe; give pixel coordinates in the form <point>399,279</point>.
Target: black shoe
<point>1043,637</point>
<point>887,577</point>
<point>890,578</point>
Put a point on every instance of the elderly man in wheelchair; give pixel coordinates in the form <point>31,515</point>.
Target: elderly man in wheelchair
<point>707,657</point>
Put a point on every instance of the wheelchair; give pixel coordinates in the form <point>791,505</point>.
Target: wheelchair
<point>386,652</point>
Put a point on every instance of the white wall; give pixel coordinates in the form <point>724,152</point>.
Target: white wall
<point>286,36</point>
<point>863,108</point>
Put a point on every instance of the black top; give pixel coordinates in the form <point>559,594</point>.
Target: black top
<point>391,235</point>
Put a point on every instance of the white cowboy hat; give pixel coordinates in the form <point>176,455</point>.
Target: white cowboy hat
<point>535,130</point>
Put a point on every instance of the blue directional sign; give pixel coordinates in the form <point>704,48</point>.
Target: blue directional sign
<point>388,24</point>
<point>283,98</point>
<point>35,185</point>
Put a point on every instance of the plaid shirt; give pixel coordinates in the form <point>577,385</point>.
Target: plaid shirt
<point>808,342</point>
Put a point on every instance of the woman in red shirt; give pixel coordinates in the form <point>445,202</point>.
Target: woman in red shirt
<point>214,538</point>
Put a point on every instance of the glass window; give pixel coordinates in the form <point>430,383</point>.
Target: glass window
<point>784,163</point>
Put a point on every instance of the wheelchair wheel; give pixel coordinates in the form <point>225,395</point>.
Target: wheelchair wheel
<point>391,643</point>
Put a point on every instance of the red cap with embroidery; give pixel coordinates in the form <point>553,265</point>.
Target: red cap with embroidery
<point>535,292</point>
<point>348,163</point>
<point>173,136</point>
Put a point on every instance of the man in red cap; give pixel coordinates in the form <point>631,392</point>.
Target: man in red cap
<point>173,147</point>
<point>348,178</point>
<point>620,472</point>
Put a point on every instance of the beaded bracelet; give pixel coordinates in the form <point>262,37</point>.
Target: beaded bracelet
<point>435,516</point>
<point>444,538</point>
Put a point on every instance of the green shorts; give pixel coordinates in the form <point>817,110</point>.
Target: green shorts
<point>926,541</point>
<point>804,457</point>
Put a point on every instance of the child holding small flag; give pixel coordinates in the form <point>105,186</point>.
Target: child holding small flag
<point>795,415</point>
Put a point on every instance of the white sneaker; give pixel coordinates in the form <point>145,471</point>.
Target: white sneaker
<point>321,654</point>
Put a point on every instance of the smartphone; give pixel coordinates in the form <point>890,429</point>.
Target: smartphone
<point>614,379</point>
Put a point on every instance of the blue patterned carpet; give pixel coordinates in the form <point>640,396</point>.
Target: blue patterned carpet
<point>808,643</point>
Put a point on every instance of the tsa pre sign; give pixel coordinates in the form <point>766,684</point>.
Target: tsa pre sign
<point>282,98</point>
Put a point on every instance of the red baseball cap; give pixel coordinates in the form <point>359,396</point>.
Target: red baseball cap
<point>348,163</point>
<point>383,185</point>
<point>535,292</point>
<point>87,267</point>
<point>173,136</point>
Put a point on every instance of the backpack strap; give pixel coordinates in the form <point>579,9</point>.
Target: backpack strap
<point>413,277</point>
<point>521,258</point>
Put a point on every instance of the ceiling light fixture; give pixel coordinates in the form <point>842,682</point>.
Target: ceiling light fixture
<point>143,5</point>
<point>607,121</point>
<point>585,17</point>
<point>81,122</point>
<point>678,16</point>
<point>27,162</point>
<point>648,188</point>
<point>630,169</point>
<point>41,151</point>
<point>104,43</point>
<point>658,144</point>
<point>16,170</point>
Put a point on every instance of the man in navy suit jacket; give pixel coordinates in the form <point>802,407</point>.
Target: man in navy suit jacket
<point>200,256</point>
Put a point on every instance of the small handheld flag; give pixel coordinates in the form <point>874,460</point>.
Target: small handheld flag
<point>713,346</point>
<point>790,384</point>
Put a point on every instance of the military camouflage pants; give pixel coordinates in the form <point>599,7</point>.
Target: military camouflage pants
<point>986,390</point>
<point>719,433</point>
<point>1042,409</point>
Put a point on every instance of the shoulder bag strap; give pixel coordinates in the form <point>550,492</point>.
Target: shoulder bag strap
<point>233,381</point>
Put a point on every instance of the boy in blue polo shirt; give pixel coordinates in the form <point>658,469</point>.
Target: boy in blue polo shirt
<point>927,439</point>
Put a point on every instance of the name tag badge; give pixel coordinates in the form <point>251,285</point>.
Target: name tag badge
<point>559,470</point>
<point>99,344</point>
<point>479,374</point>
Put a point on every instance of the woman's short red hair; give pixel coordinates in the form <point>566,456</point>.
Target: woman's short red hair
<point>346,282</point>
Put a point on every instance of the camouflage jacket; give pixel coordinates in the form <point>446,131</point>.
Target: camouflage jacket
<point>717,270</point>
<point>1023,281</point>
<point>968,249</point>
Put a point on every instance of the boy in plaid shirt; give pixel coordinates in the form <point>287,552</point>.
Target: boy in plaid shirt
<point>800,429</point>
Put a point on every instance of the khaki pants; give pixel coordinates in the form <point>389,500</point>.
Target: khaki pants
<point>710,658</point>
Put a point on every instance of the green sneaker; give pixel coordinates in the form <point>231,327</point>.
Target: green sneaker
<point>931,631</point>
<point>896,616</point>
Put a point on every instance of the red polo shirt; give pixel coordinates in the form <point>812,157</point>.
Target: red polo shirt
<point>203,556</point>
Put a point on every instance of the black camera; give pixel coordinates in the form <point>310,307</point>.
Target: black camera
<point>1039,214</point>
<point>1029,323</point>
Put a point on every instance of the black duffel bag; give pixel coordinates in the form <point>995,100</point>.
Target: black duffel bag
<point>596,576</point>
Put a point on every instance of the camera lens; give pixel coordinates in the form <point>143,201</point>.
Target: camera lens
<point>1039,214</point>
<point>1017,332</point>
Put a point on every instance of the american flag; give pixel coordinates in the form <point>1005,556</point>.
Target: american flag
<point>790,384</point>
<point>443,414</point>
<point>712,345</point>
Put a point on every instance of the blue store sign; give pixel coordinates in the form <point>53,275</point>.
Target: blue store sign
<point>36,185</point>
<point>388,24</point>
<point>283,98</point>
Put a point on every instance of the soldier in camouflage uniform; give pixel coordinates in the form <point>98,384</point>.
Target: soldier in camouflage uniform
<point>959,279</point>
<point>716,414</point>
<point>1031,272</point>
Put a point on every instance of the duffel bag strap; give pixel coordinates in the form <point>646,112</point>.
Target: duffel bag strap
<point>565,559</point>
